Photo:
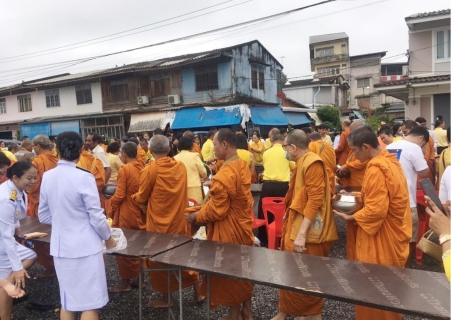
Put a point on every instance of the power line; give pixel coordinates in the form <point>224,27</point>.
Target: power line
<point>113,34</point>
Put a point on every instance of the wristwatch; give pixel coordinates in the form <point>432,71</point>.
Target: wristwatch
<point>444,238</point>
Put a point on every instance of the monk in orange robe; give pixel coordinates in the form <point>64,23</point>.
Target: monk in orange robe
<point>142,156</point>
<point>309,226</point>
<point>88,162</point>
<point>384,224</point>
<point>164,187</point>
<point>342,151</point>
<point>44,161</point>
<point>228,219</point>
<point>196,147</point>
<point>326,153</point>
<point>126,213</point>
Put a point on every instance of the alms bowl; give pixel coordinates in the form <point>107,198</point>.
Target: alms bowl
<point>348,203</point>
<point>109,189</point>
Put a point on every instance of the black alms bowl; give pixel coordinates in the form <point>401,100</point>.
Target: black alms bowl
<point>109,189</point>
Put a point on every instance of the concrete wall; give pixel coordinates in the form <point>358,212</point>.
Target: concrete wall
<point>305,95</point>
<point>420,60</point>
<point>336,45</point>
<point>365,67</point>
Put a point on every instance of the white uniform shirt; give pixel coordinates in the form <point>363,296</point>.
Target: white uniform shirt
<point>445,185</point>
<point>12,210</point>
<point>412,161</point>
<point>99,153</point>
<point>336,141</point>
<point>70,202</point>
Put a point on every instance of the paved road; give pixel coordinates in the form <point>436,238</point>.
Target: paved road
<point>124,306</point>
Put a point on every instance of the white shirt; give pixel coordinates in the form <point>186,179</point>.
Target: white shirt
<point>99,153</point>
<point>445,185</point>
<point>412,161</point>
<point>432,134</point>
<point>69,201</point>
<point>336,141</point>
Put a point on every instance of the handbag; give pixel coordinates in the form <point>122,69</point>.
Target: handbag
<point>430,248</point>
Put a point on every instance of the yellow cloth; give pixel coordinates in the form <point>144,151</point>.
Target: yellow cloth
<point>397,138</point>
<point>260,146</point>
<point>208,151</point>
<point>440,136</point>
<point>447,263</point>
<point>194,167</point>
<point>443,162</point>
<point>267,144</point>
<point>244,155</point>
<point>327,139</point>
<point>277,167</point>
<point>10,155</point>
<point>115,164</point>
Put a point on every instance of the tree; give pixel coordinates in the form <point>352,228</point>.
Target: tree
<point>331,115</point>
<point>377,116</point>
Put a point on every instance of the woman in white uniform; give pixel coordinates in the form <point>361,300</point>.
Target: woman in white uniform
<point>69,201</point>
<point>14,257</point>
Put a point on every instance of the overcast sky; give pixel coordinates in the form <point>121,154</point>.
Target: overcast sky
<point>33,26</point>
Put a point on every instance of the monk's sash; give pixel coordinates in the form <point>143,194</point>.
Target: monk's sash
<point>323,227</point>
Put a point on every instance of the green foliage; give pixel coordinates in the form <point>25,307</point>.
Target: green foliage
<point>331,115</point>
<point>17,135</point>
<point>375,121</point>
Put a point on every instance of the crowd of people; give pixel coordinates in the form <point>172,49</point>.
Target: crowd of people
<point>156,175</point>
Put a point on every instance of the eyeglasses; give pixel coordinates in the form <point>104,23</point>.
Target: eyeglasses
<point>286,145</point>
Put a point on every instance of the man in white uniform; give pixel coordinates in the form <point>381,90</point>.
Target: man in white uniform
<point>414,165</point>
<point>93,142</point>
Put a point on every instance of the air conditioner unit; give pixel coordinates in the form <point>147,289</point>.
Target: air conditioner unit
<point>143,100</point>
<point>405,71</point>
<point>174,99</point>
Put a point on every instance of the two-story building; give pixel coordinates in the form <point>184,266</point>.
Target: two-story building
<point>426,86</point>
<point>329,54</point>
<point>143,96</point>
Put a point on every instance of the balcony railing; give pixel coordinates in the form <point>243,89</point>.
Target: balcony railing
<point>391,78</point>
<point>327,59</point>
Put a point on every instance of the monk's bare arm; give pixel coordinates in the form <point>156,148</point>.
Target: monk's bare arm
<point>372,215</point>
<point>120,193</point>
<point>144,187</point>
<point>217,208</point>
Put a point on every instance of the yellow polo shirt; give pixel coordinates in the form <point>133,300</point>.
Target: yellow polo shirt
<point>208,151</point>
<point>277,167</point>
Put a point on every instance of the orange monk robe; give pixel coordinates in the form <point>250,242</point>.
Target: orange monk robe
<point>429,156</point>
<point>197,149</point>
<point>127,213</point>
<point>308,195</point>
<point>44,162</point>
<point>327,153</point>
<point>164,187</point>
<point>385,222</point>
<point>342,151</point>
<point>88,162</point>
<point>228,219</point>
<point>141,156</point>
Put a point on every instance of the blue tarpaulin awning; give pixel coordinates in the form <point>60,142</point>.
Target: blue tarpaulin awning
<point>201,118</point>
<point>268,116</point>
<point>297,118</point>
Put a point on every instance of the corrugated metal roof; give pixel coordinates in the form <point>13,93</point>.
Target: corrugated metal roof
<point>327,37</point>
<point>428,14</point>
<point>313,81</point>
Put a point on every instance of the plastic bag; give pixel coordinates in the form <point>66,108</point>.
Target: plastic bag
<point>119,237</point>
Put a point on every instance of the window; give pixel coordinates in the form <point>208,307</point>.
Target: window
<point>363,83</point>
<point>443,44</point>
<point>2,106</point>
<point>119,92</point>
<point>257,78</point>
<point>324,52</point>
<point>52,98</point>
<point>329,71</point>
<point>160,87</point>
<point>207,78</point>
<point>83,94</point>
<point>344,49</point>
<point>24,103</point>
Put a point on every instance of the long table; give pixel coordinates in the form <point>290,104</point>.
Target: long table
<point>409,291</point>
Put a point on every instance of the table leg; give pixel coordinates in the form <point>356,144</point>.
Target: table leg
<point>208,296</point>
<point>180,294</point>
<point>169,294</point>
<point>140,263</point>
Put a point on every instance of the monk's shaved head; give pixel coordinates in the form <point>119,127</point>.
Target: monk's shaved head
<point>228,136</point>
<point>189,134</point>
<point>159,144</point>
<point>278,138</point>
<point>130,149</point>
<point>298,138</point>
<point>26,143</point>
<point>274,131</point>
<point>346,123</point>
<point>134,140</point>
<point>43,141</point>
<point>315,136</point>
<point>363,135</point>
<point>409,124</point>
<point>356,124</point>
